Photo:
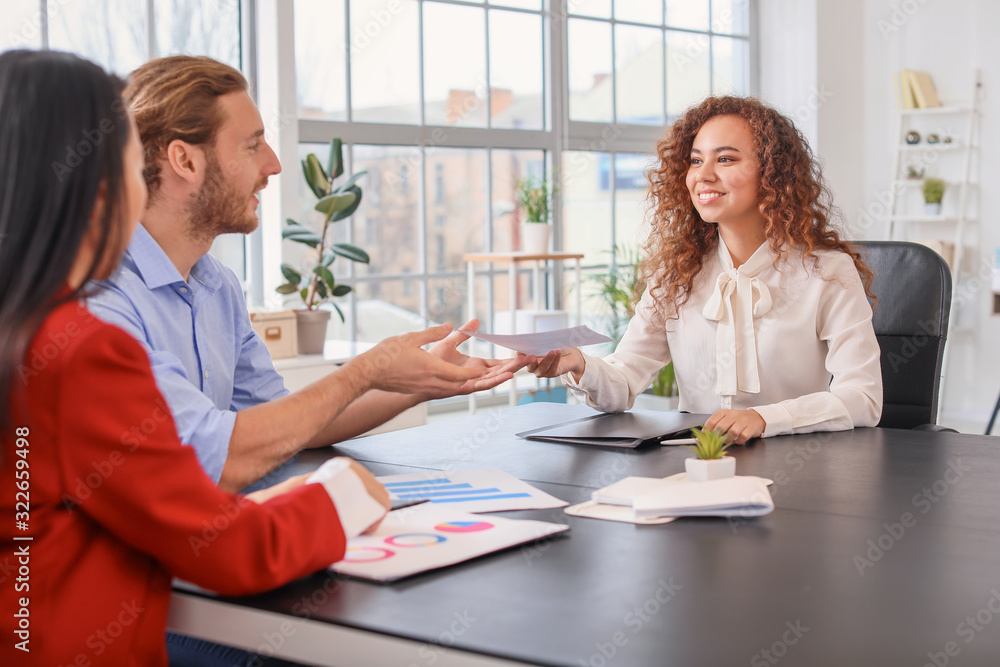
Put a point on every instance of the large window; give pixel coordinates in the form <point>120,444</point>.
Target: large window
<point>120,35</point>
<point>446,103</point>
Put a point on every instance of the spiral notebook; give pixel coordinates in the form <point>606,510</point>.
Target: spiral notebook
<point>619,429</point>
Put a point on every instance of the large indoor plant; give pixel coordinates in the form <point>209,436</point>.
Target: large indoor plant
<point>534,198</point>
<point>335,204</point>
<point>619,289</point>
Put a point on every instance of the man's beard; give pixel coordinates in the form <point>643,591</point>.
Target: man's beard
<point>218,208</point>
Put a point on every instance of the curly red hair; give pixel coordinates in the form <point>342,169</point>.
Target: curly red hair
<point>792,197</point>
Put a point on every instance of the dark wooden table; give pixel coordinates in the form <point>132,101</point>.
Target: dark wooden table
<point>883,549</point>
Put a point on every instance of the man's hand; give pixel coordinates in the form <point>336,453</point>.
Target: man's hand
<point>741,425</point>
<point>557,362</point>
<point>399,364</point>
<point>497,371</point>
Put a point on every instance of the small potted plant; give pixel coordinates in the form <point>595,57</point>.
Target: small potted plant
<point>534,197</point>
<point>709,462</point>
<point>335,204</point>
<point>933,194</point>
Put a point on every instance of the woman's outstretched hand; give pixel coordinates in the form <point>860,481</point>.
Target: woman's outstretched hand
<point>558,362</point>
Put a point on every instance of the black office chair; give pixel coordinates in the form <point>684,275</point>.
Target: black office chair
<point>913,286</point>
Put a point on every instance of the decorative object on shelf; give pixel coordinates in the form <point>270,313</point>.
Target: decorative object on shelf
<point>933,191</point>
<point>912,137</point>
<point>709,462</point>
<point>948,140</point>
<point>534,196</point>
<point>914,172</point>
<point>334,204</point>
<point>933,138</point>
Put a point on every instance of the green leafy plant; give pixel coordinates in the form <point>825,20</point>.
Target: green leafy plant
<point>709,445</point>
<point>933,190</point>
<point>618,289</point>
<point>534,196</point>
<point>335,203</point>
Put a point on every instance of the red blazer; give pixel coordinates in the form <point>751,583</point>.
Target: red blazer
<point>118,506</point>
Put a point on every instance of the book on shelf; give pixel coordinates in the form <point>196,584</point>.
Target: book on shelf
<point>915,90</point>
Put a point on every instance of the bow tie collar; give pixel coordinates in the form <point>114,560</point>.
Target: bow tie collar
<point>738,298</point>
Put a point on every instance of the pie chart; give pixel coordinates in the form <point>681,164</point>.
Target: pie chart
<point>366,554</point>
<point>415,540</point>
<point>463,526</point>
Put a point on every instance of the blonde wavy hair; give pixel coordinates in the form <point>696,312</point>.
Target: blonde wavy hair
<point>792,197</point>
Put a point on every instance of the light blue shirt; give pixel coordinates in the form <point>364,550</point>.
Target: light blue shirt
<point>208,361</point>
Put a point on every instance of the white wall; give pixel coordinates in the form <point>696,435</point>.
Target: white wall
<point>843,53</point>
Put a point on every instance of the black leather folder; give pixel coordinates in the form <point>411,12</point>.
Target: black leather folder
<point>619,429</point>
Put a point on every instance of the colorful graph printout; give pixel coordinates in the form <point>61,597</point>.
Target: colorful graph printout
<point>389,552</point>
<point>463,526</point>
<point>490,490</point>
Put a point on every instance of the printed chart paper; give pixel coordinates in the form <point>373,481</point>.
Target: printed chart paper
<point>423,538</point>
<point>490,490</point>
<point>540,343</point>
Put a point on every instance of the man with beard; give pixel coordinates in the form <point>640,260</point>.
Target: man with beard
<point>206,161</point>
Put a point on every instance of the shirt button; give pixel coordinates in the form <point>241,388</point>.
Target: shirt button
<point>206,375</point>
<point>184,289</point>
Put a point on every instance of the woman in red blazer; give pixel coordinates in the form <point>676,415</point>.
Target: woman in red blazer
<point>101,503</point>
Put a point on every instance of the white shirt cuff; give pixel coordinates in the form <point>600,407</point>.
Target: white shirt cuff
<point>356,508</point>
<point>777,419</point>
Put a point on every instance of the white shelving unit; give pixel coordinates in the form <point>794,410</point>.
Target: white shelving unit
<point>951,160</point>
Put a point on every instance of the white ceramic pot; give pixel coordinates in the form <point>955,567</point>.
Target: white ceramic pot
<point>535,237</point>
<point>311,326</point>
<point>704,470</point>
<point>932,209</point>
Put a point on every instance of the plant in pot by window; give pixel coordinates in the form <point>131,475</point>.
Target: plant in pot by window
<point>709,462</point>
<point>534,197</point>
<point>619,289</point>
<point>335,204</point>
<point>933,194</point>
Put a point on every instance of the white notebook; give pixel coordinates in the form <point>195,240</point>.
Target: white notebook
<point>735,496</point>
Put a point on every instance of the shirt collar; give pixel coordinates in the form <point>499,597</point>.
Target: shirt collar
<point>156,270</point>
<point>761,258</point>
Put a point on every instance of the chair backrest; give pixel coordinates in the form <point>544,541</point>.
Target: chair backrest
<point>913,287</point>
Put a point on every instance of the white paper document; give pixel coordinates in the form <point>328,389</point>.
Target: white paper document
<point>490,490</point>
<point>592,510</point>
<point>735,496</point>
<point>540,343</point>
<point>417,539</point>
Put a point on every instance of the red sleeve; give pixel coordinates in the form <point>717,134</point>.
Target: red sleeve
<point>153,493</point>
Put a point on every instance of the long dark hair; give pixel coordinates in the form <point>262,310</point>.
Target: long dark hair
<point>63,129</point>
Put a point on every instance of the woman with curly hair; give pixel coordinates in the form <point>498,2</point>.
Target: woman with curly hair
<point>749,291</point>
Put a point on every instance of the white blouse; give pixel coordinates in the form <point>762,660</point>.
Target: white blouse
<point>795,344</point>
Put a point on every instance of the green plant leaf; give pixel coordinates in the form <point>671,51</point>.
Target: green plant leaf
<point>351,252</point>
<point>351,181</point>
<point>339,311</point>
<point>335,164</point>
<point>321,289</point>
<point>325,276</point>
<point>291,275</point>
<point>328,258</point>
<point>315,178</point>
<point>287,288</point>
<point>341,290</point>
<point>349,211</point>
<point>304,292</point>
<point>333,203</point>
<point>300,234</point>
